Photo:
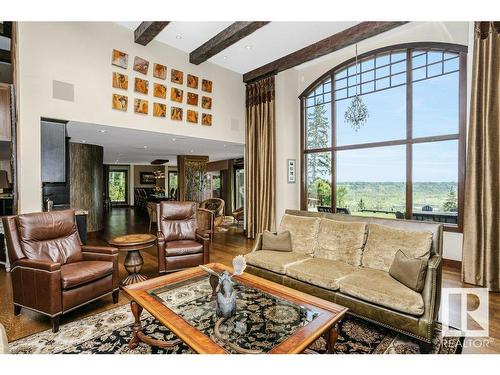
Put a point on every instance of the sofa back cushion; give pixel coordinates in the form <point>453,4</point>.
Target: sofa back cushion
<point>304,232</point>
<point>50,236</point>
<point>177,220</point>
<point>383,242</point>
<point>341,240</point>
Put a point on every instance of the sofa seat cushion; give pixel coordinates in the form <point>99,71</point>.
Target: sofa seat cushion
<point>276,261</point>
<point>79,273</point>
<point>320,272</point>
<point>383,242</point>
<point>304,232</point>
<point>380,288</point>
<point>183,247</point>
<point>341,240</point>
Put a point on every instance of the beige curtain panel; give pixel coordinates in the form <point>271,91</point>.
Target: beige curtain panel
<point>260,164</point>
<point>481,254</point>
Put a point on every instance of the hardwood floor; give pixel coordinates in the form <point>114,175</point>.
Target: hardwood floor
<point>225,247</point>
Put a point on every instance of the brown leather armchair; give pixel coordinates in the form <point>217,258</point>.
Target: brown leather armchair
<point>211,215</point>
<point>180,244</point>
<point>52,272</point>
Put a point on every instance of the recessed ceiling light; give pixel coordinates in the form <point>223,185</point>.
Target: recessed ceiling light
<point>224,57</point>
<point>248,47</point>
<point>191,151</point>
<point>144,147</point>
<point>84,141</point>
<point>178,36</point>
<point>173,139</point>
<point>102,131</point>
<point>116,161</point>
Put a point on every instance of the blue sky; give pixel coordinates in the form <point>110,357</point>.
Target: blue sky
<point>435,104</point>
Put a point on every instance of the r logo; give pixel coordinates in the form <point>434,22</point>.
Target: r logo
<point>464,312</point>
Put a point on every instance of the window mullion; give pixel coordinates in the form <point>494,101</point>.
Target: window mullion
<point>333,154</point>
<point>409,135</point>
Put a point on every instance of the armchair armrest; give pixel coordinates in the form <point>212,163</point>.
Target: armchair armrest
<point>108,250</point>
<point>258,243</point>
<point>42,278</point>
<point>204,239</point>
<point>37,265</point>
<point>160,241</point>
<point>103,253</point>
<point>202,235</point>
<point>431,294</point>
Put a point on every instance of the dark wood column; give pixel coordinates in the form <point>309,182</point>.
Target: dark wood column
<point>86,182</point>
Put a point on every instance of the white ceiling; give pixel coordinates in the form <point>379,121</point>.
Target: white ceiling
<point>267,44</point>
<point>129,146</point>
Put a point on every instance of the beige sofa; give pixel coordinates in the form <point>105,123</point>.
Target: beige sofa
<point>346,259</point>
<point>4,345</point>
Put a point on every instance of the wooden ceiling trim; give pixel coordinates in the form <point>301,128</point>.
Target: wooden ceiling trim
<point>342,39</point>
<point>148,30</point>
<point>227,37</point>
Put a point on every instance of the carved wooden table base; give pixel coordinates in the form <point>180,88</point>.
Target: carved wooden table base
<point>133,244</point>
<point>331,337</point>
<point>138,335</point>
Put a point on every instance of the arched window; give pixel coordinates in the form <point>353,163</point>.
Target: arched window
<point>407,160</point>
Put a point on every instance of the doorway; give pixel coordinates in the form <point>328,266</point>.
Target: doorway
<point>173,185</point>
<point>239,190</point>
<point>118,187</point>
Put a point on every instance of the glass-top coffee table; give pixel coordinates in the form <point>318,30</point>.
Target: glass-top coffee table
<point>270,318</point>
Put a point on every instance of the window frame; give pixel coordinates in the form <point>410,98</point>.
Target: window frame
<point>408,48</point>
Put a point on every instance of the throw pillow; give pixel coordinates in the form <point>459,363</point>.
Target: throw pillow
<point>304,232</point>
<point>383,241</point>
<point>409,271</point>
<point>277,242</point>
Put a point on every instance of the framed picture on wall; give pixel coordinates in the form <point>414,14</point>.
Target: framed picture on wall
<point>147,178</point>
<point>119,59</point>
<point>291,171</point>
<point>141,65</point>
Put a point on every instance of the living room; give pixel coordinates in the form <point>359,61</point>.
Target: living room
<point>292,184</point>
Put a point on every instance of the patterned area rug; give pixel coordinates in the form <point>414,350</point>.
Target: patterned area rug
<point>109,333</point>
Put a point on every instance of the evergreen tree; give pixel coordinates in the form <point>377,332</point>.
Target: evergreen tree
<point>451,201</point>
<point>361,205</point>
<point>318,126</point>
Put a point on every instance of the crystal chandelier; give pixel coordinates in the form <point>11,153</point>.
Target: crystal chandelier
<point>357,113</point>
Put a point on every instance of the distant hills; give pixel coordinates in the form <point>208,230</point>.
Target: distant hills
<point>390,196</point>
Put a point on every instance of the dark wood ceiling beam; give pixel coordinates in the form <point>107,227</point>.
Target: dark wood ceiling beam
<point>148,30</point>
<point>5,56</point>
<point>342,39</point>
<point>227,37</point>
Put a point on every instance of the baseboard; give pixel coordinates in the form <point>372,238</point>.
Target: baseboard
<point>450,263</point>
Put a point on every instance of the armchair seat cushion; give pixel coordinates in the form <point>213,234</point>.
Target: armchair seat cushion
<point>324,273</point>
<point>183,247</point>
<point>380,288</point>
<point>79,273</point>
<point>276,261</point>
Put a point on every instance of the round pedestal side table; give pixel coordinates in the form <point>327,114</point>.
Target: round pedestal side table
<point>133,244</point>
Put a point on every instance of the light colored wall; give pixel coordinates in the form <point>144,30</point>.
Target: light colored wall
<point>287,141</point>
<point>80,53</point>
<point>291,83</point>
